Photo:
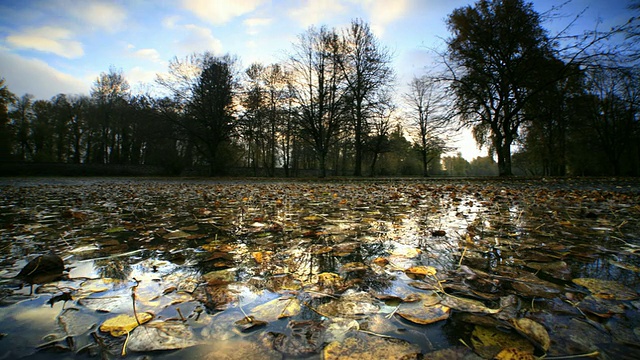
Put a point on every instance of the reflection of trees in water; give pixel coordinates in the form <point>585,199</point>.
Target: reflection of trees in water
<point>113,268</point>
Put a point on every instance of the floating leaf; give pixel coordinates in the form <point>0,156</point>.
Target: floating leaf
<point>277,309</point>
<point>514,354</point>
<point>176,234</point>
<point>161,335</point>
<point>625,266</point>
<point>533,331</point>
<point>468,305</point>
<point>423,314</point>
<point>421,271</point>
<point>350,304</point>
<point>489,341</point>
<point>249,323</point>
<point>123,323</point>
<point>607,289</point>
<point>368,347</point>
<point>600,307</point>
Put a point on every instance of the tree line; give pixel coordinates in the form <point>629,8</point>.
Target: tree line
<point>542,104</point>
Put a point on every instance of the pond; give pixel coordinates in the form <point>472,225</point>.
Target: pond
<point>225,269</point>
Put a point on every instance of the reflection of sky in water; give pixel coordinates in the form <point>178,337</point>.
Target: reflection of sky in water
<point>405,226</point>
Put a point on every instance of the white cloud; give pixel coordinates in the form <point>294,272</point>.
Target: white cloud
<point>255,25</point>
<point>200,39</point>
<point>104,15</point>
<point>170,21</point>
<point>139,76</point>
<point>38,78</point>
<point>50,39</point>
<point>383,12</point>
<point>314,12</point>
<point>148,54</point>
<point>219,12</point>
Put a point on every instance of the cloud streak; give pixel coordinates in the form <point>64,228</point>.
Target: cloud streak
<point>55,40</point>
<point>219,12</point>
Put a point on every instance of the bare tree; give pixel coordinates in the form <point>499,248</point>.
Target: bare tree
<point>368,74</point>
<point>428,113</point>
<point>318,90</point>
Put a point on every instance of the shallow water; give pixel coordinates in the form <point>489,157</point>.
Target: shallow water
<point>344,257</point>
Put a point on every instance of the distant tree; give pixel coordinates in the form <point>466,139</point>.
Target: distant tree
<point>318,90</point>
<point>366,65</point>
<point>22,117</point>
<point>614,112</point>
<point>6,137</point>
<point>42,131</point>
<point>496,56</point>
<point>110,93</point>
<point>203,90</point>
<point>378,141</point>
<point>210,116</point>
<point>253,124</point>
<point>456,165</point>
<point>427,113</point>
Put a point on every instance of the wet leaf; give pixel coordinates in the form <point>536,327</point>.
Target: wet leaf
<point>600,307</point>
<point>368,347</point>
<point>423,314</point>
<point>488,341</point>
<point>123,323</point>
<point>277,309</point>
<point>533,331</point>
<point>468,305</point>
<point>607,289</point>
<point>250,323</point>
<point>514,354</point>
<point>176,234</point>
<point>350,304</point>
<point>421,271</point>
<point>304,338</point>
<point>161,335</point>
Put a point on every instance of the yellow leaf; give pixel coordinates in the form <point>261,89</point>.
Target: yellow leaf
<point>489,341</point>
<point>607,289</point>
<point>123,324</point>
<point>533,331</point>
<point>514,354</point>
<point>421,270</point>
<point>257,256</point>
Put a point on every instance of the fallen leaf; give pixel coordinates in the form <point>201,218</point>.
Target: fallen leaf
<point>123,323</point>
<point>533,331</point>
<point>489,341</point>
<point>161,335</point>
<point>607,289</point>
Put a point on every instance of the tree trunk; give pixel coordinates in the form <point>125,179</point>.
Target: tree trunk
<point>504,160</point>
<point>425,163</point>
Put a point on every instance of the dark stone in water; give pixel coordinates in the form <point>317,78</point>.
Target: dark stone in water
<point>43,269</point>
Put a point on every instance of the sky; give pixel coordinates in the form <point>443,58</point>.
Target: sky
<point>48,47</point>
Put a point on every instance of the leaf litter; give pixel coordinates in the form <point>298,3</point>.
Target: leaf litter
<point>515,269</point>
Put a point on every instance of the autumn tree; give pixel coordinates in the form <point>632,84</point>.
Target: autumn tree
<point>368,76</point>
<point>496,54</point>
<point>318,90</point>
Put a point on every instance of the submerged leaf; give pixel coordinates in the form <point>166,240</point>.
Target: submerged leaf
<point>277,309</point>
<point>367,347</point>
<point>162,335</point>
<point>607,289</point>
<point>489,341</point>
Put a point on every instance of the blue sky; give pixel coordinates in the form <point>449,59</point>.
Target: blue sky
<point>60,46</point>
